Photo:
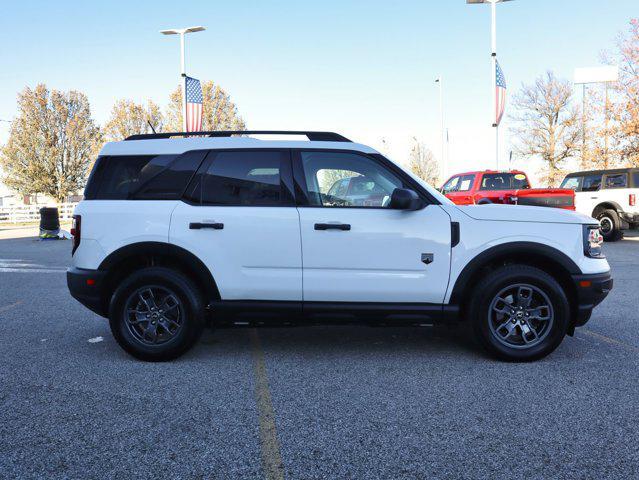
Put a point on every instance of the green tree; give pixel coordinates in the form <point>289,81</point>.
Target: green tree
<point>50,143</point>
<point>130,118</point>
<point>218,110</point>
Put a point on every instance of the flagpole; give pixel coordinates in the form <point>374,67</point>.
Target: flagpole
<point>493,8</point>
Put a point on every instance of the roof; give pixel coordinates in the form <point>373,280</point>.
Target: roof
<point>490,172</point>
<point>609,170</point>
<point>161,146</point>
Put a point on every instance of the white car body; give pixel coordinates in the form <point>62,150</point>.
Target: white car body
<point>273,253</point>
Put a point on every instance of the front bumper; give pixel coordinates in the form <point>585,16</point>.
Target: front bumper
<point>591,291</point>
<point>86,287</point>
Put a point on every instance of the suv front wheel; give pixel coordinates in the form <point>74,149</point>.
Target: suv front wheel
<point>520,313</point>
<point>156,314</point>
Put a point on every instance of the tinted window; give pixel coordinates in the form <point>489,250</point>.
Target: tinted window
<point>243,178</point>
<point>368,183</point>
<point>118,177</point>
<point>617,181</point>
<point>591,183</point>
<point>571,182</point>
<point>635,180</point>
<point>451,185</point>
<point>171,182</point>
<point>504,181</point>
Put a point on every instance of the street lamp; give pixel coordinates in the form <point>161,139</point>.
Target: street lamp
<point>181,32</point>
<point>493,32</point>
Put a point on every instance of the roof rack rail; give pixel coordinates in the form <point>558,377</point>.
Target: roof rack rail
<point>312,136</point>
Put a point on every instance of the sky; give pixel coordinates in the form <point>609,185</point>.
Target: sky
<point>365,69</point>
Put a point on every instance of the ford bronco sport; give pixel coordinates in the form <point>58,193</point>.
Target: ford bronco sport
<point>223,228</point>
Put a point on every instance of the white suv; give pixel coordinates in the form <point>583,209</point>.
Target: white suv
<point>177,232</point>
<point>610,196</point>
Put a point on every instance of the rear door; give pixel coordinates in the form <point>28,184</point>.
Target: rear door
<point>357,249</point>
<point>238,215</point>
<point>590,195</point>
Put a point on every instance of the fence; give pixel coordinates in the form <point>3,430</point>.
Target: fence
<point>31,213</point>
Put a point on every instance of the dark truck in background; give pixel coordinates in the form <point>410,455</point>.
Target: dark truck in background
<point>511,187</point>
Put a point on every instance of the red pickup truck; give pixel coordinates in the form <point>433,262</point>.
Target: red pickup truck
<point>512,187</point>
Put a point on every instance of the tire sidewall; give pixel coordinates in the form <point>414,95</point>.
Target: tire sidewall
<point>190,302</point>
<point>502,279</point>
<point>615,233</point>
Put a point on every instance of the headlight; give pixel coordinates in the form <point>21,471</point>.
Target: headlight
<point>593,241</point>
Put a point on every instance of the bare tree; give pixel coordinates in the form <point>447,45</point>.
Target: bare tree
<point>130,118</point>
<point>625,108</point>
<point>546,124</point>
<point>218,111</point>
<point>422,163</point>
<point>50,143</point>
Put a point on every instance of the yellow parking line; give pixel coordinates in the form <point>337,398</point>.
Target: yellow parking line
<point>609,340</point>
<point>10,306</point>
<point>269,445</point>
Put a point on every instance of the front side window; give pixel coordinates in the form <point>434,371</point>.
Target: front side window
<point>591,183</point>
<point>571,183</point>
<point>344,179</point>
<point>617,181</point>
<point>243,178</point>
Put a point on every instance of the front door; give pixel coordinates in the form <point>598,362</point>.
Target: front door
<point>354,247</point>
<point>241,221</point>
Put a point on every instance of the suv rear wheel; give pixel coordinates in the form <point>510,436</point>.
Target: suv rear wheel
<point>156,314</point>
<point>520,313</point>
<point>610,225</point>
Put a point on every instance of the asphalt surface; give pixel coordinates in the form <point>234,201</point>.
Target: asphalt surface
<point>308,403</point>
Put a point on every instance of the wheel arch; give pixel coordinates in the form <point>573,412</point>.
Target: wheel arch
<point>123,261</point>
<point>538,255</point>
<point>607,205</point>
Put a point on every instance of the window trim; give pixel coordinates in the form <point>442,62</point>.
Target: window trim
<point>287,198</point>
<point>301,191</point>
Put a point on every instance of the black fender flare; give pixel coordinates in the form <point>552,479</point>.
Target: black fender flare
<point>190,262</point>
<point>505,251</point>
<point>605,206</point>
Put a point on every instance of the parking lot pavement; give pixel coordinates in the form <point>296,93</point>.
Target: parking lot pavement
<point>306,403</point>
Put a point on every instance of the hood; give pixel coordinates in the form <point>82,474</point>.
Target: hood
<point>522,213</point>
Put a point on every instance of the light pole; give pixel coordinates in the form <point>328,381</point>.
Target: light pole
<point>440,81</point>
<point>493,42</point>
<point>181,32</point>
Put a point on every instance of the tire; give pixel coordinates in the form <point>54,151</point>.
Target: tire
<point>610,225</point>
<point>543,336</point>
<point>156,314</point>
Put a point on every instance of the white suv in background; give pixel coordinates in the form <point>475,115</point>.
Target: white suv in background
<point>228,229</point>
<point>610,196</point>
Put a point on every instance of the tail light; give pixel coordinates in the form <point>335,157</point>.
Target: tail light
<point>632,199</point>
<point>76,232</point>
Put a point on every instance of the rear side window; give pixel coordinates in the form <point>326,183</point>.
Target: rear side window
<point>245,178</point>
<point>591,183</point>
<point>148,177</point>
<point>635,178</point>
<point>617,181</point>
<point>504,181</point>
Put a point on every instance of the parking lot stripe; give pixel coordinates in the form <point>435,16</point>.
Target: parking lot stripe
<point>269,445</point>
<point>10,306</point>
<point>610,341</point>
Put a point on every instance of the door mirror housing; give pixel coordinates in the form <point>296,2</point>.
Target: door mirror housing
<point>405,199</point>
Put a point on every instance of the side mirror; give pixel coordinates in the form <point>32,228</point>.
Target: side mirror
<point>404,199</point>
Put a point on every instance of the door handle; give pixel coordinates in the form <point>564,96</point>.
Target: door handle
<point>212,226</point>
<point>332,226</point>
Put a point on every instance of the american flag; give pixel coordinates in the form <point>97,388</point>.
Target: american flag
<point>193,104</point>
<point>500,94</point>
